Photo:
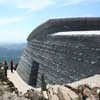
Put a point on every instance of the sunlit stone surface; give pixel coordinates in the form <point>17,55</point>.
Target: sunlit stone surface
<point>61,58</point>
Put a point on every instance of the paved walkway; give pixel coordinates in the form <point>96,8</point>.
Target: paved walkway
<point>18,82</point>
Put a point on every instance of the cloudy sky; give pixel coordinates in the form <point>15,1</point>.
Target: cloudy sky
<point>19,17</point>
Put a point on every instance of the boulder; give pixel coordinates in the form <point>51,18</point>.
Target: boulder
<point>59,92</point>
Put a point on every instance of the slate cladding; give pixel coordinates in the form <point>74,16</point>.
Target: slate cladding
<point>62,59</point>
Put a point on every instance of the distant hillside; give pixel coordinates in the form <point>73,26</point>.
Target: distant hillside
<point>11,51</point>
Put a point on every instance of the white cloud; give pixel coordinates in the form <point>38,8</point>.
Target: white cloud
<point>31,5</point>
<point>76,2</point>
<point>35,5</point>
<point>71,2</point>
<point>4,21</point>
<point>28,4</point>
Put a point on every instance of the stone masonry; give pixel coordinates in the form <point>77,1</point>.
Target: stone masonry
<point>62,59</point>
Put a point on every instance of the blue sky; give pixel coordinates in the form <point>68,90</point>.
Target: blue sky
<point>19,17</point>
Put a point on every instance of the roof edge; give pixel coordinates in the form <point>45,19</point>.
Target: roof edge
<point>61,21</point>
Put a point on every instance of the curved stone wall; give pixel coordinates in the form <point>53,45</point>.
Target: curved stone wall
<point>62,59</point>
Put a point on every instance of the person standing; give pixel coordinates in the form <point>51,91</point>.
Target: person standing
<point>11,64</point>
<point>5,68</point>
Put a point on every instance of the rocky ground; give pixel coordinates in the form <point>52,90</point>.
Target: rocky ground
<point>47,92</point>
<point>9,92</point>
<point>7,89</point>
<point>52,92</point>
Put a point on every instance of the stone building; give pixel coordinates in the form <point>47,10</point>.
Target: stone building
<point>62,59</point>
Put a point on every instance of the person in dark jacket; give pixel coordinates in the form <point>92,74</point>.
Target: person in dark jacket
<point>5,68</point>
<point>11,66</point>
